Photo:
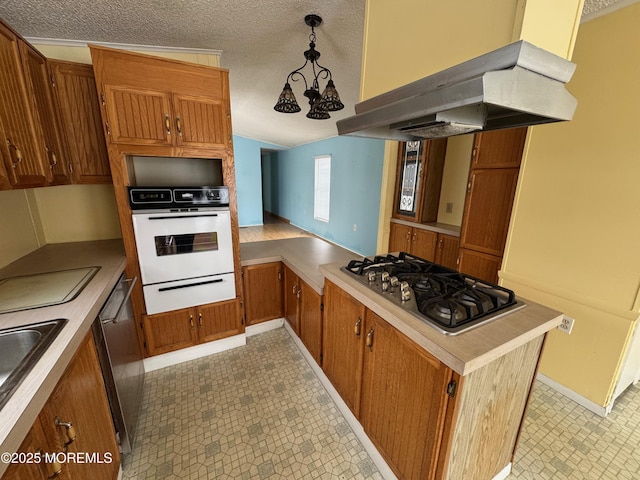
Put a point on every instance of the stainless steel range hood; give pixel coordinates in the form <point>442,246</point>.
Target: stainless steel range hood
<point>514,86</point>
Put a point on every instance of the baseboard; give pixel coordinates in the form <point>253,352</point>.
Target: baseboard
<point>504,473</point>
<point>277,217</point>
<point>259,328</point>
<point>353,422</point>
<point>576,397</point>
<point>198,351</point>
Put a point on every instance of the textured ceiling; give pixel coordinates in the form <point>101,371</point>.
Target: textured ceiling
<point>261,42</point>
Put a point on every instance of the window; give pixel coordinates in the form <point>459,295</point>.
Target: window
<point>321,188</point>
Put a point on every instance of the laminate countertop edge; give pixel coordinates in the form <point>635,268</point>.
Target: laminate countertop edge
<point>22,409</point>
<point>467,351</point>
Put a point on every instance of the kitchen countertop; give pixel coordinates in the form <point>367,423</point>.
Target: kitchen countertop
<point>467,351</point>
<point>313,260</point>
<point>303,255</point>
<point>437,227</point>
<point>25,404</point>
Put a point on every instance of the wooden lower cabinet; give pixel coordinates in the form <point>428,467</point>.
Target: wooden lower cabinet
<point>166,332</point>
<point>423,244</point>
<point>399,237</point>
<point>447,251</point>
<point>480,265</point>
<point>343,343</point>
<point>303,311</point>
<point>427,421</point>
<point>262,292</point>
<point>80,401</point>
<point>404,400</point>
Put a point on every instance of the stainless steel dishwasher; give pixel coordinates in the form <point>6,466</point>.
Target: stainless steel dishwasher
<point>121,359</point>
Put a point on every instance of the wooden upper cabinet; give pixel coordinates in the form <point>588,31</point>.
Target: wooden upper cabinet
<point>488,209</point>
<point>35,67</point>
<point>21,140</point>
<point>81,125</point>
<point>151,101</point>
<point>498,149</point>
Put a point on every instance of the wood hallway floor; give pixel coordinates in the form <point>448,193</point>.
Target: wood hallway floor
<point>272,229</point>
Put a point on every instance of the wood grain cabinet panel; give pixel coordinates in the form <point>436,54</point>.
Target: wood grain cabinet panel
<point>311,321</point>
<point>37,72</point>
<point>21,144</point>
<point>34,444</point>
<point>499,148</point>
<point>166,332</point>
<point>292,299</point>
<point>404,400</point>
<point>488,209</point>
<point>399,237</point>
<point>423,244</point>
<point>447,251</point>
<point>343,343</point>
<point>200,121</point>
<point>218,320</point>
<point>480,265</point>
<point>262,292</point>
<point>81,126</point>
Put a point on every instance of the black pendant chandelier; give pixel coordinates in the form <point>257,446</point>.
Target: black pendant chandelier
<point>320,104</point>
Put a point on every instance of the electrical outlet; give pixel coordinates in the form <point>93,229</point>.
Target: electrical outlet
<point>567,324</point>
<point>449,207</point>
<point>355,227</point>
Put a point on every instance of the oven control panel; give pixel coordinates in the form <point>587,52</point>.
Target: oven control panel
<point>178,197</point>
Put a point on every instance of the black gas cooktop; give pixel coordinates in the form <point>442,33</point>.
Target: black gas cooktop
<point>448,300</point>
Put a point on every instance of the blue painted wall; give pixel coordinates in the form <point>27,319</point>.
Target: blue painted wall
<point>356,176</point>
<point>246,154</point>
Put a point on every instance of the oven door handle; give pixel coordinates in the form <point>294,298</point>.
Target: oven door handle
<point>171,217</point>
<point>176,287</point>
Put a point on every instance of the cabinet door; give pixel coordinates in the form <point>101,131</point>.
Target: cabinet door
<point>139,116</point>
<point>80,399</point>
<point>447,251</point>
<point>35,67</point>
<point>423,244</point>
<point>77,102</point>
<point>291,299</point>
<point>219,320</point>
<point>404,400</point>
<point>34,443</point>
<point>166,332</point>
<point>262,292</point>
<point>399,238</point>
<point>342,344</point>
<point>480,265</point>
<point>21,141</point>
<point>200,121</point>
<point>498,149</point>
<point>488,209</point>
<point>311,321</point>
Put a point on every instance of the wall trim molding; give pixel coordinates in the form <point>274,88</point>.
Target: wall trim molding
<point>565,294</point>
<point>122,46</point>
<point>576,397</point>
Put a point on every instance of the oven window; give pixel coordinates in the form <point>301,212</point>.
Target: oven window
<point>186,243</point>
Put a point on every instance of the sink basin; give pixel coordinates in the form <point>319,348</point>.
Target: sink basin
<point>20,349</point>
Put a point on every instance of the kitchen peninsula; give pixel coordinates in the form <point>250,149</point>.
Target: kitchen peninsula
<point>469,396</point>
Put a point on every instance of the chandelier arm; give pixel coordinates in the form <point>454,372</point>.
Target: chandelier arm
<point>298,72</point>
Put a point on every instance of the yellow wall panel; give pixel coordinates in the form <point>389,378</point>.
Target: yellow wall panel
<point>18,234</point>
<point>454,179</point>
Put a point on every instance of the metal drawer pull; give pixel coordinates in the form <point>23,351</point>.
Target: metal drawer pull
<point>200,319</point>
<point>191,322</point>
<point>18,154</point>
<point>55,468</point>
<point>71,431</point>
<point>179,125</point>
<point>369,341</point>
<point>167,123</point>
<point>176,287</point>
<point>356,328</point>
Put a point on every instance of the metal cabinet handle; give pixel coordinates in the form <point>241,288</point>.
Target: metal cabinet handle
<point>356,327</point>
<point>414,237</point>
<point>70,432</point>
<point>55,468</point>
<point>167,123</point>
<point>200,319</point>
<point>295,285</point>
<point>369,340</point>
<point>191,321</point>
<point>178,125</point>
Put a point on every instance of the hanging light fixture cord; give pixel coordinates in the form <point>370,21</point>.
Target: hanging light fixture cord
<point>320,104</point>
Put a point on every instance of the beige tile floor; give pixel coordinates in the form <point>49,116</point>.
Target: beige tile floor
<point>260,412</point>
<point>255,412</point>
